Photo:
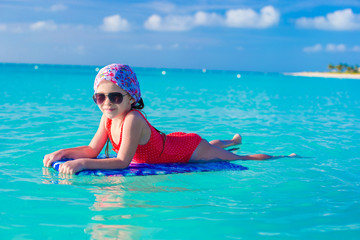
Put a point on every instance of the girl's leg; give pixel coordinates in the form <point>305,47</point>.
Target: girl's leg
<point>208,152</point>
<point>236,140</point>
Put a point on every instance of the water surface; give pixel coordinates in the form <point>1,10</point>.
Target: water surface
<point>44,109</point>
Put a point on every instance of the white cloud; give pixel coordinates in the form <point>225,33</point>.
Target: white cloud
<point>157,46</point>
<point>169,23</point>
<point>207,19</point>
<point>53,8</point>
<point>162,6</point>
<point>80,49</point>
<point>330,47</point>
<point>149,47</point>
<point>335,48</point>
<point>43,26</point>
<point>58,7</point>
<point>338,20</point>
<point>356,49</point>
<point>115,24</point>
<point>239,18</point>
<point>3,27</point>
<point>248,18</point>
<point>153,23</point>
<point>315,48</point>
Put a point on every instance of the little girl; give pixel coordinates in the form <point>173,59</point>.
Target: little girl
<point>117,94</point>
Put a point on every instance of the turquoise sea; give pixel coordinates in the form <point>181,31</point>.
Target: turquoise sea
<point>47,107</point>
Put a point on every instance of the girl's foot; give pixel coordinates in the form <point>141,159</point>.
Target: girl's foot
<point>294,155</point>
<point>237,139</point>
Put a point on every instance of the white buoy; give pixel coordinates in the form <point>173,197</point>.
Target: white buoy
<point>238,76</point>
<point>163,72</point>
<point>204,70</point>
<point>36,67</point>
<point>97,69</point>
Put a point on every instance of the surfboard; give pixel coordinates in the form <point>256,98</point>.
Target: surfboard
<point>136,169</point>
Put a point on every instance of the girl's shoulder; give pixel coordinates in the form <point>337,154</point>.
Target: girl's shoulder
<point>135,116</point>
<point>103,120</point>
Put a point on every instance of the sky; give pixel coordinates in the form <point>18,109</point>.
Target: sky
<point>242,35</point>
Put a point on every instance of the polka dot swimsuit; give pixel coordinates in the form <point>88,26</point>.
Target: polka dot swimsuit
<point>178,146</point>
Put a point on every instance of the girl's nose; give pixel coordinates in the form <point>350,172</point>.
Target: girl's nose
<point>107,100</point>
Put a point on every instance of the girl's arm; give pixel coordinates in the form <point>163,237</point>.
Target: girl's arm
<point>90,151</point>
<point>131,136</point>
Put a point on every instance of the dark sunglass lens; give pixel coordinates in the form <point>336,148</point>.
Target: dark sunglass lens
<point>99,98</point>
<point>115,97</point>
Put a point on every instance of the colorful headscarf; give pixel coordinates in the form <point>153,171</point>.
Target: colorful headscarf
<point>121,75</point>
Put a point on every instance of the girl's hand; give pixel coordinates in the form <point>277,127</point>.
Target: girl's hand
<point>53,157</point>
<point>72,166</point>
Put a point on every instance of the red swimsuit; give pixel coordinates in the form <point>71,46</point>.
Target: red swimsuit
<point>178,147</point>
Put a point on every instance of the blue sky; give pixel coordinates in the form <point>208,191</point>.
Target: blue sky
<point>270,36</point>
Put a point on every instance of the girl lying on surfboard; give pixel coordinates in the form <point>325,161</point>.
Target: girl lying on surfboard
<point>133,138</point>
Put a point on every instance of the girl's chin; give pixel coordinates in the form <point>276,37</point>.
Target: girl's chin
<point>110,115</point>
<point>117,113</point>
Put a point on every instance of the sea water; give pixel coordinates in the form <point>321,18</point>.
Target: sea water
<point>44,108</point>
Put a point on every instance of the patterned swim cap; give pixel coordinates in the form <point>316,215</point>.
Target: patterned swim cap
<point>121,75</point>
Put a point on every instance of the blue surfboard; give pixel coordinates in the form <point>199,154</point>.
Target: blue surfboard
<point>136,169</point>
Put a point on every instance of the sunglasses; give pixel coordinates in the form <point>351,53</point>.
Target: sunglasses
<point>114,97</point>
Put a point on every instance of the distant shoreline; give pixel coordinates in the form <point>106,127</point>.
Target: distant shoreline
<point>326,75</point>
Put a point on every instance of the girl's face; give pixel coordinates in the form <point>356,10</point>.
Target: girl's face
<point>110,109</point>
